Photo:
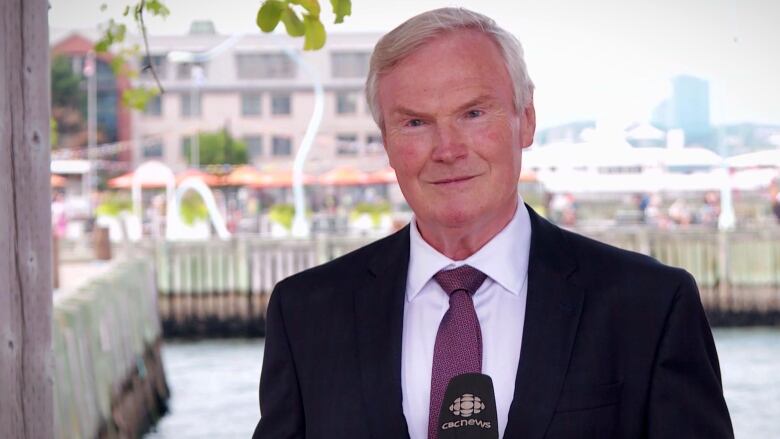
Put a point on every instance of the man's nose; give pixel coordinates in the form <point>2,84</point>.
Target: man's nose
<point>449,144</point>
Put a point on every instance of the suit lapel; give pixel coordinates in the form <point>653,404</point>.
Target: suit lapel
<point>379,308</point>
<point>552,315</point>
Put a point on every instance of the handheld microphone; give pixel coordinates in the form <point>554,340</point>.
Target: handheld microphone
<point>468,410</point>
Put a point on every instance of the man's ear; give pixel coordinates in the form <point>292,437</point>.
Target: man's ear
<point>528,124</point>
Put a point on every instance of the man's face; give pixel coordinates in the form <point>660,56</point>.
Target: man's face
<point>452,133</point>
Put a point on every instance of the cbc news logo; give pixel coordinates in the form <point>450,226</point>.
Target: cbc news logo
<point>467,405</point>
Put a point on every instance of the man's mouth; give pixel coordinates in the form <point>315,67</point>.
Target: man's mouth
<point>453,180</point>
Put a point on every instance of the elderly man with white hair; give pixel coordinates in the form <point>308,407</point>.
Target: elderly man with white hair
<point>580,339</point>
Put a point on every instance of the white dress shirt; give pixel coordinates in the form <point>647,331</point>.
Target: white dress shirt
<point>500,305</point>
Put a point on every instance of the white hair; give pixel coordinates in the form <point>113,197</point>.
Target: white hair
<point>420,29</point>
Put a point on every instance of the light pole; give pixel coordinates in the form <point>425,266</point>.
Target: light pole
<point>90,71</point>
<point>198,77</point>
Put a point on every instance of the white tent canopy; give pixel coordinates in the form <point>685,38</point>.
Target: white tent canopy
<point>757,159</point>
<point>594,155</point>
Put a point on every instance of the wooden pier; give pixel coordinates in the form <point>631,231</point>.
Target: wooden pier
<point>108,376</point>
<point>221,288</point>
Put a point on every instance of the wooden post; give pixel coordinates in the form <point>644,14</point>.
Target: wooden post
<point>26,404</point>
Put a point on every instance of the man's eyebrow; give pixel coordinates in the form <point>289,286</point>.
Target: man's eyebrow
<point>481,99</point>
<point>404,111</point>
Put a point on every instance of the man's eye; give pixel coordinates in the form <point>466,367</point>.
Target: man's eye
<point>474,113</point>
<point>414,123</point>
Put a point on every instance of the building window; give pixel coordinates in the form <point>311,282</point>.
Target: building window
<point>188,70</point>
<point>190,105</point>
<point>154,106</point>
<point>265,66</point>
<point>153,150</point>
<point>346,144</point>
<point>254,146</point>
<point>281,104</point>
<point>282,146</point>
<point>349,64</point>
<point>251,104</point>
<point>346,102</point>
<point>374,144</point>
<point>158,62</point>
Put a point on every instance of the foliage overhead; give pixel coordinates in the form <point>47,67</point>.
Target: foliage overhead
<point>301,18</point>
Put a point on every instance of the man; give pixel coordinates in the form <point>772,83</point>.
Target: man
<point>581,340</point>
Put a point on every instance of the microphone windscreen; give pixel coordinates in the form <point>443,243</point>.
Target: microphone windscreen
<point>468,410</point>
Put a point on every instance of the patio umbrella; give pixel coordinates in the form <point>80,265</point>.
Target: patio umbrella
<point>527,176</point>
<point>383,176</point>
<point>277,179</point>
<point>57,180</point>
<point>125,181</point>
<point>244,175</point>
<point>209,179</point>
<point>344,176</point>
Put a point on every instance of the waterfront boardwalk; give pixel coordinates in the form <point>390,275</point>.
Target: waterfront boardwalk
<point>221,288</point>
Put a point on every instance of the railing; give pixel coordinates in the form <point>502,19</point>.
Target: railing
<point>109,380</point>
<point>222,287</point>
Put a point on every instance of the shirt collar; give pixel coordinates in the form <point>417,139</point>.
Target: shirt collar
<point>504,258</point>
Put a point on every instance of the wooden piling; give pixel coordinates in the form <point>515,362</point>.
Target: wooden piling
<point>26,373</point>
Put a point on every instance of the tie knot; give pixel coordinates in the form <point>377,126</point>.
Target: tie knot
<point>464,277</point>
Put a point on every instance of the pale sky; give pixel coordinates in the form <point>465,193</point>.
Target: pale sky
<point>608,60</point>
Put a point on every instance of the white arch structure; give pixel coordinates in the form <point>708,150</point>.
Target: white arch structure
<point>155,171</point>
<point>197,185</point>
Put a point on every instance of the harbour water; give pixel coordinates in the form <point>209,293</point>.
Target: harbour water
<point>214,385</point>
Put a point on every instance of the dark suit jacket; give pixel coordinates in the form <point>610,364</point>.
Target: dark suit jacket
<point>615,345</point>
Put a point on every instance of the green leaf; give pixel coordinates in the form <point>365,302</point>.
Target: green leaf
<point>137,97</point>
<point>101,46</point>
<point>117,63</point>
<point>315,33</point>
<point>269,15</point>
<point>293,24</point>
<point>311,6</point>
<point>156,7</point>
<point>103,7</point>
<point>341,9</point>
<point>126,11</point>
<point>119,33</point>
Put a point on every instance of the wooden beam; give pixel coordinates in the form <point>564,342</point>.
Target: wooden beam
<point>26,403</point>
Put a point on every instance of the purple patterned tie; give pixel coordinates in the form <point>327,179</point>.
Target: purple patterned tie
<point>458,347</point>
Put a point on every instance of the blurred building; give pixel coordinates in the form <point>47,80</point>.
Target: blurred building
<point>567,132</point>
<point>254,88</point>
<point>113,118</point>
<point>749,137</point>
<point>688,109</point>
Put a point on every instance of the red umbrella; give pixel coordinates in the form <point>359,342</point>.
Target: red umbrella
<point>344,176</point>
<point>244,175</point>
<point>209,179</point>
<point>57,180</point>
<point>279,178</point>
<point>527,176</point>
<point>125,181</point>
<point>383,176</point>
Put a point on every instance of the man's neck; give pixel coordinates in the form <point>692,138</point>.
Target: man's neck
<point>458,243</point>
